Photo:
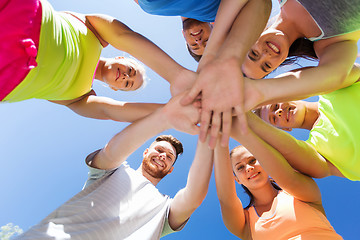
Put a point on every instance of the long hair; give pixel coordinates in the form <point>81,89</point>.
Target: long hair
<point>300,48</point>
<point>247,191</point>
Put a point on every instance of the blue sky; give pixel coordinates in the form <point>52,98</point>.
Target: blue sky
<point>43,145</point>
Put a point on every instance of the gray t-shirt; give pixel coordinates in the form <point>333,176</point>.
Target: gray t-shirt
<point>334,17</point>
<point>115,204</point>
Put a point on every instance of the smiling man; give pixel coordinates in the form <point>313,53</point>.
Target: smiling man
<point>119,202</point>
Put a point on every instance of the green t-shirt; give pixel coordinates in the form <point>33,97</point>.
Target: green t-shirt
<point>336,136</point>
<point>67,58</point>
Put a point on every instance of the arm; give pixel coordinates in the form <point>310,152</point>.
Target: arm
<point>300,155</point>
<point>188,199</point>
<point>172,115</point>
<point>123,38</point>
<point>274,163</point>
<point>335,65</point>
<point>225,17</point>
<point>221,81</point>
<point>92,106</point>
<point>232,210</point>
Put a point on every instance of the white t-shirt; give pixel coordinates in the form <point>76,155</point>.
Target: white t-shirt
<point>115,204</point>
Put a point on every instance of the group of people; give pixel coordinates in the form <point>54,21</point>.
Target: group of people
<point>55,56</point>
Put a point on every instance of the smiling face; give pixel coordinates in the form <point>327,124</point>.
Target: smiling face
<point>159,159</point>
<point>269,51</point>
<point>285,115</point>
<point>122,74</point>
<point>196,34</point>
<point>247,169</point>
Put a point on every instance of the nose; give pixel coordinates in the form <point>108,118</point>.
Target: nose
<point>279,112</point>
<point>249,168</point>
<point>162,156</point>
<point>125,76</point>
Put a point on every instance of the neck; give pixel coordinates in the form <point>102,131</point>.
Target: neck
<point>312,115</point>
<point>98,72</point>
<point>287,27</point>
<point>153,180</point>
<point>265,195</point>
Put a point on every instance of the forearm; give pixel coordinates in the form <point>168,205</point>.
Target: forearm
<point>300,155</point>
<point>131,138</point>
<point>245,30</point>
<point>124,39</point>
<point>336,70</point>
<point>275,164</point>
<point>225,17</point>
<point>231,206</point>
<point>189,198</point>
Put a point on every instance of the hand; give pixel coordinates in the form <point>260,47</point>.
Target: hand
<point>182,118</point>
<point>221,86</point>
<point>184,81</point>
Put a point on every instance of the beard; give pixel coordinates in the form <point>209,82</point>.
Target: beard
<point>189,23</point>
<point>152,169</point>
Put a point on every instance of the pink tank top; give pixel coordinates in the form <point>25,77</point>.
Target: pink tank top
<point>290,218</point>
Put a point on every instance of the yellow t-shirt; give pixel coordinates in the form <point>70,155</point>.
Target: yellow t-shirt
<point>337,134</point>
<point>67,58</point>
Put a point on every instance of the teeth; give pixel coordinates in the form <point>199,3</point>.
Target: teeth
<point>253,175</point>
<point>195,33</point>
<point>158,162</point>
<point>273,47</point>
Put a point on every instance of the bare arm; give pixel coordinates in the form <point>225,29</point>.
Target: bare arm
<point>93,106</point>
<point>232,210</point>
<point>188,199</point>
<point>223,74</point>
<point>300,155</point>
<point>172,115</point>
<point>123,38</point>
<point>225,17</point>
<point>332,73</point>
<point>274,163</point>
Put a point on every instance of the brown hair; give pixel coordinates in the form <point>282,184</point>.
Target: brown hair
<point>300,48</point>
<point>173,141</point>
<point>195,56</point>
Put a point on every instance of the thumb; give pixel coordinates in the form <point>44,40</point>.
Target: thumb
<point>191,95</point>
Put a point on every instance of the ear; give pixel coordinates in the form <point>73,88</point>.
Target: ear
<point>237,179</point>
<point>114,88</point>
<point>170,171</point>
<point>145,152</point>
<point>287,129</point>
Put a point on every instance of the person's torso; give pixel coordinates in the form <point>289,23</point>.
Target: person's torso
<point>290,218</point>
<point>333,17</point>
<point>336,136</point>
<point>204,11</point>
<point>67,58</point>
<point>121,205</point>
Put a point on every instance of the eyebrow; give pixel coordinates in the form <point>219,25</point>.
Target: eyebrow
<point>167,150</point>
<point>254,60</point>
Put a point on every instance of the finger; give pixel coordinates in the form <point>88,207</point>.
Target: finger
<point>226,127</point>
<point>194,130</point>
<point>239,110</point>
<point>191,95</point>
<point>204,124</point>
<point>214,129</point>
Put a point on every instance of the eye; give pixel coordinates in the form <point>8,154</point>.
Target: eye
<point>254,53</point>
<point>241,167</point>
<point>127,84</point>
<point>267,65</point>
<point>252,161</point>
